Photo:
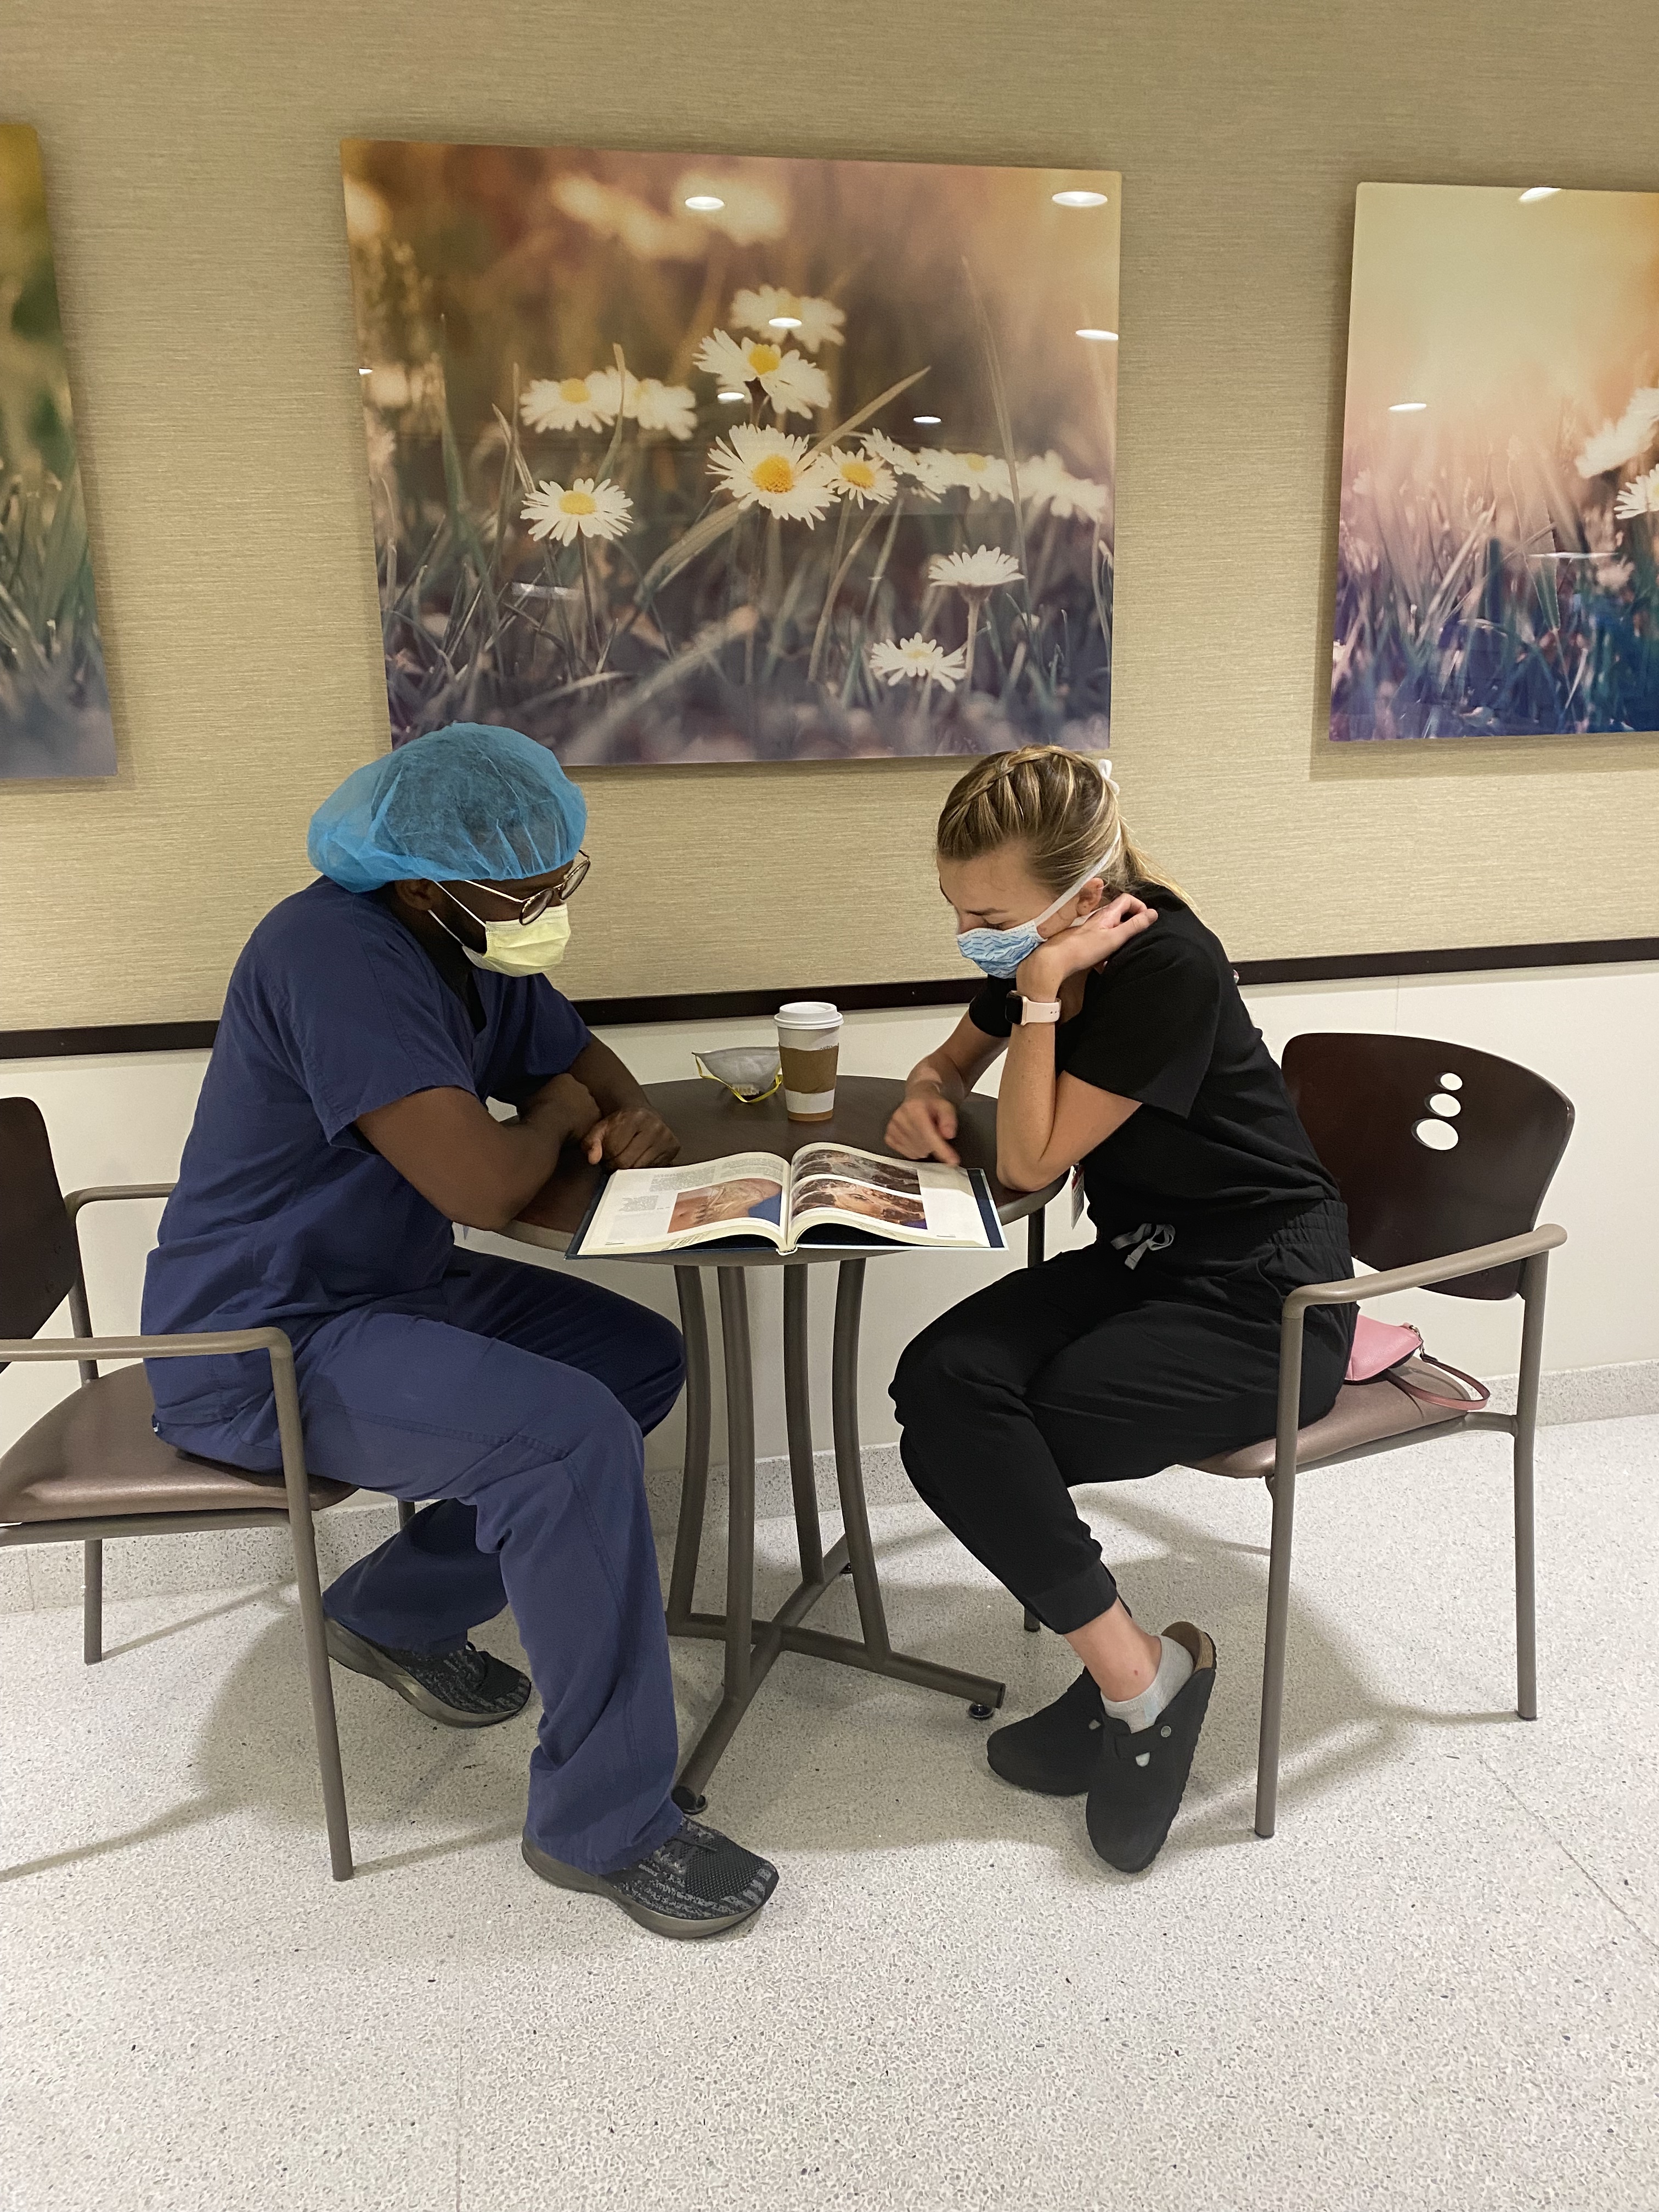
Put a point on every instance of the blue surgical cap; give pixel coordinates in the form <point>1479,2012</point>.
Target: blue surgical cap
<point>471,800</point>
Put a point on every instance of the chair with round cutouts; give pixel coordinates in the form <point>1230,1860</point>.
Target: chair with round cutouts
<point>1443,1156</point>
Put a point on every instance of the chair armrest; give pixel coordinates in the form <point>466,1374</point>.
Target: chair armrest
<point>80,1311</point>
<point>97,1192</point>
<point>1474,1262</point>
<point>206,1345</point>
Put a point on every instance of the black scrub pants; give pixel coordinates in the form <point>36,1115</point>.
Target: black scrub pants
<point>1085,1370</point>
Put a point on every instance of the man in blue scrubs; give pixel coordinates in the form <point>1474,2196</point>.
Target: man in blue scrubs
<point>340,1133</point>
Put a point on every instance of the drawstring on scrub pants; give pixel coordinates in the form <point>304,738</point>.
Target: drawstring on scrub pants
<point>1151,1237</point>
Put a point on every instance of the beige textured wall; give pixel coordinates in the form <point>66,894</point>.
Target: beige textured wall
<point>191,157</point>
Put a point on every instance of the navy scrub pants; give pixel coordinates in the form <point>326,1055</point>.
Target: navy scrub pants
<point>1085,1370</point>
<point>519,1397</point>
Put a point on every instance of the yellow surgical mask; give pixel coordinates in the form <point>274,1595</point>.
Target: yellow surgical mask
<point>518,948</point>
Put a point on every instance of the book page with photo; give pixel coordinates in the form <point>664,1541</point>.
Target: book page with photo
<point>908,1200</point>
<point>831,1194</point>
<point>660,1209</point>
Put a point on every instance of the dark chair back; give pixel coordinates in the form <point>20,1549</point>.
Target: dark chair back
<point>38,1260</point>
<point>1434,1147</point>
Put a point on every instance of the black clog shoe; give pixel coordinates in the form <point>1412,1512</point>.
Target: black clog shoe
<point>1054,1752</point>
<point>1136,1787</point>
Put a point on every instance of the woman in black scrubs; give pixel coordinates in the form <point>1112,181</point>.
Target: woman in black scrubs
<point>1130,1054</point>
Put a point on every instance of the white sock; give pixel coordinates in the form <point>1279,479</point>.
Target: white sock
<point>1175,1668</point>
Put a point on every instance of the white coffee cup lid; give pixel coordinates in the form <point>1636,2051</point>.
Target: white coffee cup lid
<point>808,1014</point>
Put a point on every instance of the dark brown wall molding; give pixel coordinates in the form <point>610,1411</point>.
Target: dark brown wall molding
<point>724,1006</point>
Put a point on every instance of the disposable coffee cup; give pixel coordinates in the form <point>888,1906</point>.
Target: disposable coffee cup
<point>808,1045</point>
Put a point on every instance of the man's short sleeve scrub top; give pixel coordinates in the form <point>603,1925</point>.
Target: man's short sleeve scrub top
<point>1216,1151</point>
<point>284,1213</point>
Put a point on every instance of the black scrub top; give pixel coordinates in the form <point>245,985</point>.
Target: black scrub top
<point>1216,1151</point>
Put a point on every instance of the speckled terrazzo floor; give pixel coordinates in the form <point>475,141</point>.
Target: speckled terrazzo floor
<point>1438,1987</point>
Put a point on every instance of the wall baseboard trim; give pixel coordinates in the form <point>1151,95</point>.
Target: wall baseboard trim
<point>40,1581</point>
<point>863,998</point>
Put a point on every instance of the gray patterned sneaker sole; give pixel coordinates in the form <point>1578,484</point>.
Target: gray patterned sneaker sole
<point>364,1658</point>
<point>660,1923</point>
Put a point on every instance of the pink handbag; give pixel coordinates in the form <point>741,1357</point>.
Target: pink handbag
<point>1382,1349</point>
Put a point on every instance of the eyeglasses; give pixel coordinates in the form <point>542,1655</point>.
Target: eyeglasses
<point>533,908</point>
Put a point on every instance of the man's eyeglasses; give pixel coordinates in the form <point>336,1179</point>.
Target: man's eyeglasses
<point>533,908</point>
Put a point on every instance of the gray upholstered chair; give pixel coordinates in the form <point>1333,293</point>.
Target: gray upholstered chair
<point>94,1467</point>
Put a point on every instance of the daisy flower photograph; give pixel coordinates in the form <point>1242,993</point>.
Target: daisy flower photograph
<point>1499,522</point>
<point>677,460</point>
<point>54,702</point>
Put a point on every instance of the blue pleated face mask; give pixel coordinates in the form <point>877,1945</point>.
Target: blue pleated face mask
<point>999,951</point>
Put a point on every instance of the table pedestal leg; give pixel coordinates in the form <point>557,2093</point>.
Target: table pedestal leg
<point>798,1420</point>
<point>694,1480</point>
<point>752,1645</point>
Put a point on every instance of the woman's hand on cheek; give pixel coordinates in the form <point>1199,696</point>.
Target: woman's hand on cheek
<point>1106,931</point>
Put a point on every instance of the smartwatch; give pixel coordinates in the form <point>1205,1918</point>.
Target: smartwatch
<point>1032,1010</point>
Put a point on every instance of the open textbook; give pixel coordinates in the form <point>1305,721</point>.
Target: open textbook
<point>830,1195</point>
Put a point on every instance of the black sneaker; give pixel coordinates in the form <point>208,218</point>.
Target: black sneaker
<point>1138,1784</point>
<point>697,1883</point>
<point>468,1688</point>
<point>1054,1751</point>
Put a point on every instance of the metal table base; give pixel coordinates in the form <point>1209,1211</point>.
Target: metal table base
<point>751,1643</point>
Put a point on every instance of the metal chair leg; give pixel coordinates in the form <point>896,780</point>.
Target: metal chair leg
<point>405,1513</point>
<point>321,1686</point>
<point>91,1602</point>
<point>1526,1427</point>
<point>324,1720</point>
<point>1283,1486</point>
<point>1032,1624</point>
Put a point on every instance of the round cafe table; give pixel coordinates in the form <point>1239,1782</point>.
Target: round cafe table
<point>710,1124</point>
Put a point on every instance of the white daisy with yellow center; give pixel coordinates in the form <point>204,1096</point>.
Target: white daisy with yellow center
<point>862,479</point>
<point>794,386</point>
<point>771,469</point>
<point>587,509</point>
<point>987,568</point>
<point>918,659</point>
<point>986,475</point>
<point>570,402</point>
<point>808,322</point>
